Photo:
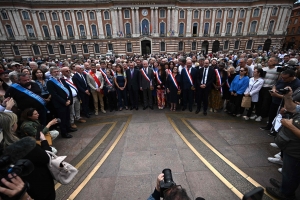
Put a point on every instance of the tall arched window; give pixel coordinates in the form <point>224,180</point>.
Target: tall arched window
<point>274,11</point>
<point>85,48</point>
<point>9,31</point>
<point>108,30</point>
<point>97,48</point>
<point>94,30</point>
<point>46,31</point>
<point>106,15</point>
<point>81,30</point>
<point>180,46</point>
<point>127,29</point>
<point>181,28</point>
<point>54,16</point>
<point>242,13</point>
<point>256,12</point>
<point>42,16</point>
<point>194,46</point>
<point>58,32</point>
<point>181,14</point>
<point>230,14</point>
<point>239,28</point>
<point>162,28</point>
<point>25,15</point>
<point>30,31</point>
<point>62,49</point>
<point>36,49</point>
<point>74,49</point>
<point>207,14</point>
<point>145,27</point>
<point>236,44</point>
<point>162,46</point>
<point>67,16</point>
<point>219,15</point>
<point>70,31</point>
<point>271,25</point>
<point>162,13</point>
<point>226,44</point>
<point>50,49</point>
<point>79,15</point>
<point>249,44</point>
<point>206,28</point>
<point>196,14</point>
<point>217,30</point>
<point>195,29</point>
<point>228,28</point>
<point>253,27</point>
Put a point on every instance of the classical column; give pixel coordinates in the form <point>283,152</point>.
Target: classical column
<point>237,10</point>
<point>137,21</point>
<point>224,22</point>
<point>156,22</point>
<point>133,21</point>
<point>201,22</point>
<point>15,25</point>
<point>2,33</point>
<point>283,18</point>
<point>50,24</point>
<point>152,21</point>
<point>121,27</point>
<point>188,23</point>
<point>262,20</point>
<point>278,21</point>
<point>87,26</point>
<point>63,28</point>
<point>168,20</point>
<point>76,33</point>
<point>246,26</point>
<point>176,22</point>
<point>36,25</point>
<point>19,25</point>
<point>267,20</point>
<point>212,26</point>
<point>100,25</point>
<point>114,22</point>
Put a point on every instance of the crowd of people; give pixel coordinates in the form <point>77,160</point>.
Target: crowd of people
<point>44,95</point>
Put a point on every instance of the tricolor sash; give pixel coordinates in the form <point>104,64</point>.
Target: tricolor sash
<point>102,72</point>
<point>189,76</point>
<point>174,81</point>
<point>219,81</point>
<point>60,85</point>
<point>108,81</point>
<point>227,83</point>
<point>145,75</point>
<point>113,73</point>
<point>71,85</point>
<point>29,93</point>
<point>157,77</point>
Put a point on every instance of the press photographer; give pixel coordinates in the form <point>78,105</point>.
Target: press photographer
<point>288,140</point>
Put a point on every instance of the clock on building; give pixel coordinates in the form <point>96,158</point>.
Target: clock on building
<point>144,12</point>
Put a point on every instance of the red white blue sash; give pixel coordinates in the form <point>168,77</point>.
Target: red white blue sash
<point>168,71</point>
<point>71,85</point>
<point>60,85</point>
<point>219,80</point>
<point>113,73</point>
<point>107,81</point>
<point>157,77</point>
<point>145,75</point>
<point>29,93</point>
<point>189,76</point>
<point>102,72</point>
<point>174,81</point>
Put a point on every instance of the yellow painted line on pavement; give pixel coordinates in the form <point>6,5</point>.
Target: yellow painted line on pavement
<point>208,165</point>
<point>99,164</point>
<point>228,162</point>
<point>94,148</point>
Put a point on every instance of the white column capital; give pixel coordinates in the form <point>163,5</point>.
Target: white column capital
<point>59,11</point>
<point>202,9</point>
<point>169,8</point>
<point>119,8</point>
<point>151,8</point>
<point>137,8</point>
<point>33,11</point>
<point>98,10</point>
<point>249,9</point>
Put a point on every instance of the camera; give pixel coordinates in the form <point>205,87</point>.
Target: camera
<point>167,183</point>
<point>284,91</point>
<point>58,120</point>
<point>285,66</point>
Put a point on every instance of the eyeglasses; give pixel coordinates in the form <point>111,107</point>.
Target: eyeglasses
<point>241,70</point>
<point>67,71</point>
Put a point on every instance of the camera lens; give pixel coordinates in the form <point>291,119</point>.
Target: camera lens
<point>58,120</point>
<point>167,176</point>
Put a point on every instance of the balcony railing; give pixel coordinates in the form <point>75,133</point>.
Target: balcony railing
<point>108,37</point>
<point>145,33</point>
<point>162,35</point>
<point>47,38</point>
<point>205,35</point>
<point>239,34</point>
<point>228,34</point>
<point>195,35</point>
<point>95,37</point>
<point>180,35</point>
<point>71,37</point>
<point>59,37</point>
<point>251,33</point>
<point>270,33</point>
<point>128,35</point>
<point>11,38</point>
<point>83,37</point>
<point>31,38</point>
<point>217,35</point>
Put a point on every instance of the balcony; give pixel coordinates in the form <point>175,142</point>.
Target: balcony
<point>128,35</point>
<point>31,38</point>
<point>239,34</point>
<point>205,35</point>
<point>83,37</point>
<point>195,35</point>
<point>162,35</point>
<point>180,35</point>
<point>71,37</point>
<point>108,37</point>
<point>270,33</point>
<point>47,38</point>
<point>217,35</point>
<point>95,37</point>
<point>11,38</point>
<point>58,37</point>
<point>228,34</point>
<point>145,33</point>
<point>252,34</point>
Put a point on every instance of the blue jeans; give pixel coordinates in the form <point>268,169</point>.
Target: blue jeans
<point>122,94</point>
<point>290,175</point>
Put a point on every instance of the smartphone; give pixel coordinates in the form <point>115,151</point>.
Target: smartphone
<point>255,194</point>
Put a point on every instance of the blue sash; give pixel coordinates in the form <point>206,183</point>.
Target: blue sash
<point>60,85</point>
<point>29,93</point>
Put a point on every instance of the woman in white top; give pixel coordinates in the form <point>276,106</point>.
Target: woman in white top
<point>255,84</point>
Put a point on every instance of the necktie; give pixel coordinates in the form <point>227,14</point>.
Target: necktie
<point>203,79</point>
<point>83,79</point>
<point>131,73</point>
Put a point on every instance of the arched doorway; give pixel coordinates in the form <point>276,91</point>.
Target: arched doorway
<point>205,45</point>
<point>216,46</point>
<point>267,45</point>
<point>146,47</point>
<point>145,27</point>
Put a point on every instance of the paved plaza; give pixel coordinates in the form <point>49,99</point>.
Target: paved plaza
<point>120,154</point>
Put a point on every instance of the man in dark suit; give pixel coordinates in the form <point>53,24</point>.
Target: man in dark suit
<point>188,78</point>
<point>61,97</point>
<point>206,77</point>
<point>133,76</point>
<point>146,81</point>
<point>80,80</point>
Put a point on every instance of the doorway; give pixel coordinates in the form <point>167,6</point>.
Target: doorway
<point>146,47</point>
<point>216,46</point>
<point>267,45</point>
<point>205,45</point>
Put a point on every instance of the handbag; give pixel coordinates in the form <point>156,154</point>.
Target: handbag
<point>61,171</point>
<point>246,102</point>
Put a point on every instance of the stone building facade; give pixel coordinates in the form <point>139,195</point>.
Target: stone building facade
<point>292,40</point>
<point>89,28</point>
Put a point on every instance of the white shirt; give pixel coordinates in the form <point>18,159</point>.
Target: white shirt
<point>204,77</point>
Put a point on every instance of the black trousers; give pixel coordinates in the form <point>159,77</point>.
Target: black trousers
<point>237,100</point>
<point>63,113</point>
<point>272,113</point>
<point>112,99</point>
<point>203,98</point>
<point>147,96</point>
<point>85,103</point>
<point>251,109</point>
<point>264,102</point>
<point>133,96</point>
<point>188,98</point>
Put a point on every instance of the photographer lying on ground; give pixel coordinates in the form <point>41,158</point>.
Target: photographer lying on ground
<point>288,140</point>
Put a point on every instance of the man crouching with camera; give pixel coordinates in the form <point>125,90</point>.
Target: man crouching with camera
<point>288,140</point>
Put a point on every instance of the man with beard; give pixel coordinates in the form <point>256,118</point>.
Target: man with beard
<point>27,94</point>
<point>62,99</point>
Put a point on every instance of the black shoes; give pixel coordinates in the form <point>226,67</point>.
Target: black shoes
<point>136,108</point>
<point>190,109</point>
<point>265,128</point>
<point>67,136</point>
<point>183,109</point>
<point>275,192</point>
<point>151,107</point>
<point>275,183</point>
<point>87,116</point>
<point>197,111</point>
<point>131,108</point>
<point>145,107</point>
<point>72,129</point>
<point>205,113</point>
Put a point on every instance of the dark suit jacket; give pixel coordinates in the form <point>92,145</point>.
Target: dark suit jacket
<point>185,82</point>
<point>58,96</point>
<point>134,81</point>
<point>211,76</point>
<point>144,83</point>
<point>80,84</point>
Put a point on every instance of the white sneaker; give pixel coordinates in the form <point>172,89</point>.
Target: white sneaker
<point>274,145</point>
<point>253,117</point>
<point>238,115</point>
<point>280,170</point>
<point>103,111</point>
<point>246,118</point>
<point>258,119</point>
<point>54,150</point>
<point>54,134</point>
<point>275,160</point>
<point>278,155</point>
